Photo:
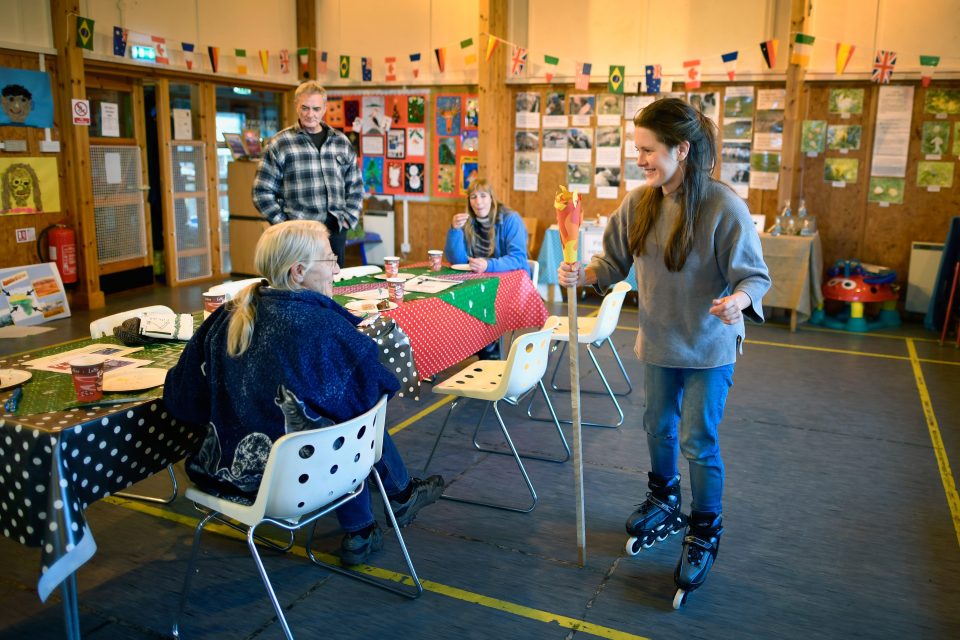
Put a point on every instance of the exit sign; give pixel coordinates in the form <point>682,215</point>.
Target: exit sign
<point>143,52</point>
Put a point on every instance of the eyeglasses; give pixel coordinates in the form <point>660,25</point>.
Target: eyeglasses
<point>305,108</point>
<point>324,260</point>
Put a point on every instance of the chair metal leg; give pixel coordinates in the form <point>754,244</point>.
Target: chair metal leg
<point>609,392</point>
<point>616,356</point>
<point>137,496</point>
<point>267,542</point>
<point>413,579</point>
<point>439,435</point>
<point>194,552</point>
<point>523,472</point>
<point>528,456</point>
<point>252,544</point>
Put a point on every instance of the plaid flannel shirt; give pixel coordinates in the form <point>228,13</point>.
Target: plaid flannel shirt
<point>296,182</point>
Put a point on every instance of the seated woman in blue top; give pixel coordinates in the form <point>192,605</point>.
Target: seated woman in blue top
<point>275,355</point>
<point>489,236</point>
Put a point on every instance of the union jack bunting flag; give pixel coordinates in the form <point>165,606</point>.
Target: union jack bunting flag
<point>518,60</point>
<point>883,64</point>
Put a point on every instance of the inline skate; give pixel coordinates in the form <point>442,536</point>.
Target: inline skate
<point>658,517</point>
<point>700,546</point>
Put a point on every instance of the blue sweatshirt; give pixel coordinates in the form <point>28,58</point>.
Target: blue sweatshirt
<point>509,247</point>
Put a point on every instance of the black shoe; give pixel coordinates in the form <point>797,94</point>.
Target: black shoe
<point>357,549</point>
<point>423,492</point>
<point>490,352</point>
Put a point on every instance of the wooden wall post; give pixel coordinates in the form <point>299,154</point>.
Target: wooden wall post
<point>496,125</point>
<point>77,199</point>
<point>306,18</point>
<point>790,156</point>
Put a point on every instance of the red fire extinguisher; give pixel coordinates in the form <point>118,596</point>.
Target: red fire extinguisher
<point>62,248</point>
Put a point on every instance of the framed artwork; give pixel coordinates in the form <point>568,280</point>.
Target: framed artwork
<point>396,143</point>
<point>251,142</point>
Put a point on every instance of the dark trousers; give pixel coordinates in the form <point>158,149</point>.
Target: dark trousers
<point>338,239</point>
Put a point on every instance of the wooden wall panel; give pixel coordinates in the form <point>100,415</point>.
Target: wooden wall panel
<point>13,253</point>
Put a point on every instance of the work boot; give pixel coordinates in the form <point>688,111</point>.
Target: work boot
<point>423,492</point>
<point>355,548</point>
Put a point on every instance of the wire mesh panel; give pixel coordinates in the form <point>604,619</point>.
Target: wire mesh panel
<point>118,203</point>
<point>191,227</point>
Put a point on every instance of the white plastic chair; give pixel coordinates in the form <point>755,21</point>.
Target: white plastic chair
<point>593,332</point>
<point>230,289</point>
<point>104,327</point>
<point>355,272</point>
<point>510,380</point>
<point>534,272</point>
<point>308,474</point>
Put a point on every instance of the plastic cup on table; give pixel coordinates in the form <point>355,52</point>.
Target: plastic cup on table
<point>391,266</point>
<point>211,302</point>
<point>436,259</point>
<point>395,290</point>
<point>87,373</point>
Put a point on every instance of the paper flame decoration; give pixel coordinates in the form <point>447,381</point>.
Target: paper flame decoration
<point>569,217</point>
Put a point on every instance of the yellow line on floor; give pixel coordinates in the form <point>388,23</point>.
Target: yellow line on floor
<point>943,463</point>
<point>454,593</point>
<point>409,421</point>
<point>848,352</point>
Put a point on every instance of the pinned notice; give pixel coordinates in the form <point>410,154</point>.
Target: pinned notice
<point>81,112</point>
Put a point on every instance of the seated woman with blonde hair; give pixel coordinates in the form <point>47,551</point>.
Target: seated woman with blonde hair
<point>488,236</point>
<point>279,344</point>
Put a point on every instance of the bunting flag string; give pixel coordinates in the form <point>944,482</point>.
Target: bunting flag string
<point>284,61</point>
<point>241,55</point>
<point>161,46</point>
<point>344,66</point>
<point>366,69</point>
<point>214,53</point>
<point>583,75</point>
<point>303,55</point>
<point>692,74</point>
<point>415,62</point>
<point>265,60</point>
<point>653,75</point>
<point>390,69</point>
<point>120,41</point>
<point>551,62</point>
<point>85,33</point>
<point>187,53</point>
<point>883,64</point>
<point>802,43</point>
<point>730,63</point>
<point>441,54</point>
<point>492,42</point>
<point>518,60</point>
<point>615,79</point>
<point>769,50</point>
<point>322,65</point>
<point>928,64</point>
<point>844,54</point>
<point>469,52</point>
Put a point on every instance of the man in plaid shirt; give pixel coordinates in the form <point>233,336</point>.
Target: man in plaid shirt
<point>309,172</point>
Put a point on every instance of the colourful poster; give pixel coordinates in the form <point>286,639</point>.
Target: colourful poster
<point>31,295</point>
<point>455,144</point>
<point>935,139</point>
<point>29,185</point>
<point>813,136</point>
<point>25,98</point>
<point>889,190</point>
<point>448,115</point>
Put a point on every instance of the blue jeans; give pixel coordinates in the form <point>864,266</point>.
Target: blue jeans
<point>357,514</point>
<point>690,401</point>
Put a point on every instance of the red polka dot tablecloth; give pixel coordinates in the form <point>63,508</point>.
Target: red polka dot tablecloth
<point>442,335</point>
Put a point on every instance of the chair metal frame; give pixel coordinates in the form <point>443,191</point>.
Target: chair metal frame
<point>594,332</point>
<point>298,482</point>
<point>104,327</point>
<point>510,381</point>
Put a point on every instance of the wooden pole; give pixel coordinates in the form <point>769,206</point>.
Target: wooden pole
<point>574,337</point>
<point>791,158</point>
<point>495,162</point>
<point>307,37</point>
<point>77,200</point>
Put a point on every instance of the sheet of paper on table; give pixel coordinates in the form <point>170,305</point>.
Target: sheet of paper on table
<point>60,362</point>
<point>370,294</point>
<point>429,285</point>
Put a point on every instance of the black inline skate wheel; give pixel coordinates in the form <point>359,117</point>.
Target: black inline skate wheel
<point>680,598</point>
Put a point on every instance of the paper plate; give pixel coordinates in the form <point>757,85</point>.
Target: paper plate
<point>128,379</point>
<point>368,306</point>
<point>405,276</point>
<point>13,377</point>
<point>460,267</point>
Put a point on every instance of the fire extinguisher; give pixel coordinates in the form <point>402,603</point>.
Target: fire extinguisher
<point>62,249</point>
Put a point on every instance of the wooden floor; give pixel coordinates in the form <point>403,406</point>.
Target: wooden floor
<point>841,512</point>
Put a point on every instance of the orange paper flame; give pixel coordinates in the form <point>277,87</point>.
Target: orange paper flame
<point>569,217</point>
